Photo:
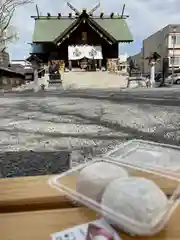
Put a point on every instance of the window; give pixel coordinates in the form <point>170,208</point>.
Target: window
<point>5,81</point>
<point>176,60</point>
<point>28,77</point>
<point>175,40</point>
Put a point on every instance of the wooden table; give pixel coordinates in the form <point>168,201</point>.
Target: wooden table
<point>39,225</point>
<point>29,193</point>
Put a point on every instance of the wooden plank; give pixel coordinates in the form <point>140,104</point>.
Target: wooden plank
<point>168,186</point>
<point>34,193</point>
<point>39,225</point>
<point>29,193</point>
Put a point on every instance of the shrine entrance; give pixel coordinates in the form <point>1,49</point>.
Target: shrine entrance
<point>80,39</point>
<point>86,57</point>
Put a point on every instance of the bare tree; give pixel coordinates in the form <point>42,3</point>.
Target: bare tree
<point>7,9</point>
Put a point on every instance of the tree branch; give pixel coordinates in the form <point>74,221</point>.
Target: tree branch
<point>8,21</point>
<point>7,10</point>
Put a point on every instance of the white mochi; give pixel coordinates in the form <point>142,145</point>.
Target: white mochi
<point>137,198</point>
<point>94,178</point>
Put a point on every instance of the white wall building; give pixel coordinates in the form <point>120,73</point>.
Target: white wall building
<point>166,42</point>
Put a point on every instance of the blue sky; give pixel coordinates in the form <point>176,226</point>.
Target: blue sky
<point>146,17</point>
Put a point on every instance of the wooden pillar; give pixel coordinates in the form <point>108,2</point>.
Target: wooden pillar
<point>70,65</point>
<point>107,63</point>
<point>100,64</point>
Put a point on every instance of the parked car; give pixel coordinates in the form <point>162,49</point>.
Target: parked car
<point>159,77</point>
<point>175,78</point>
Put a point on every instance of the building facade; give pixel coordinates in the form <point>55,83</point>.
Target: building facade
<point>74,38</point>
<point>166,42</point>
<point>9,77</point>
<point>24,67</point>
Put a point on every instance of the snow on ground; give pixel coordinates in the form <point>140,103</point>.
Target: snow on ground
<point>47,124</point>
<point>148,118</point>
<point>87,127</point>
<point>60,123</point>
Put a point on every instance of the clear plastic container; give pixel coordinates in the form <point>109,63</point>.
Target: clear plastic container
<point>149,155</point>
<point>170,185</point>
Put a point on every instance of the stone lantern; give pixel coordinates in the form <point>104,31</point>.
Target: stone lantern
<point>153,58</point>
<point>36,63</point>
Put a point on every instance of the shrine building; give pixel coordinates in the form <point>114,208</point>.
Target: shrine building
<point>74,38</point>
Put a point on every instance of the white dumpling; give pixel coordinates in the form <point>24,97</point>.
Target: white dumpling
<point>137,198</point>
<point>94,178</point>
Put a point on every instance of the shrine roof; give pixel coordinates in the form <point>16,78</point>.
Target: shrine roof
<point>48,29</point>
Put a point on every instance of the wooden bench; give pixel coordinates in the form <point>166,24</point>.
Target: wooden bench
<point>34,193</point>
<point>39,225</point>
<point>29,193</point>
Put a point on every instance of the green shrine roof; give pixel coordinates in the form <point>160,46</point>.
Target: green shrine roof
<point>116,27</point>
<point>49,29</point>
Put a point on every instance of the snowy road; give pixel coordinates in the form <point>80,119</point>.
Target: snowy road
<point>85,126</point>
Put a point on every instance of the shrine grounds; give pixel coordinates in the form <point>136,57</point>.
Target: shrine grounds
<point>84,123</point>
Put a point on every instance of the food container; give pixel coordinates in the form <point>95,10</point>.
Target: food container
<point>66,183</point>
<point>149,155</point>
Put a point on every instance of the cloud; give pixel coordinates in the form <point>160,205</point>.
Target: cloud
<point>146,17</point>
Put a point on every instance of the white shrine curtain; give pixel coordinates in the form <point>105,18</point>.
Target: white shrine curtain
<point>75,52</point>
<point>78,52</point>
<point>93,52</point>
